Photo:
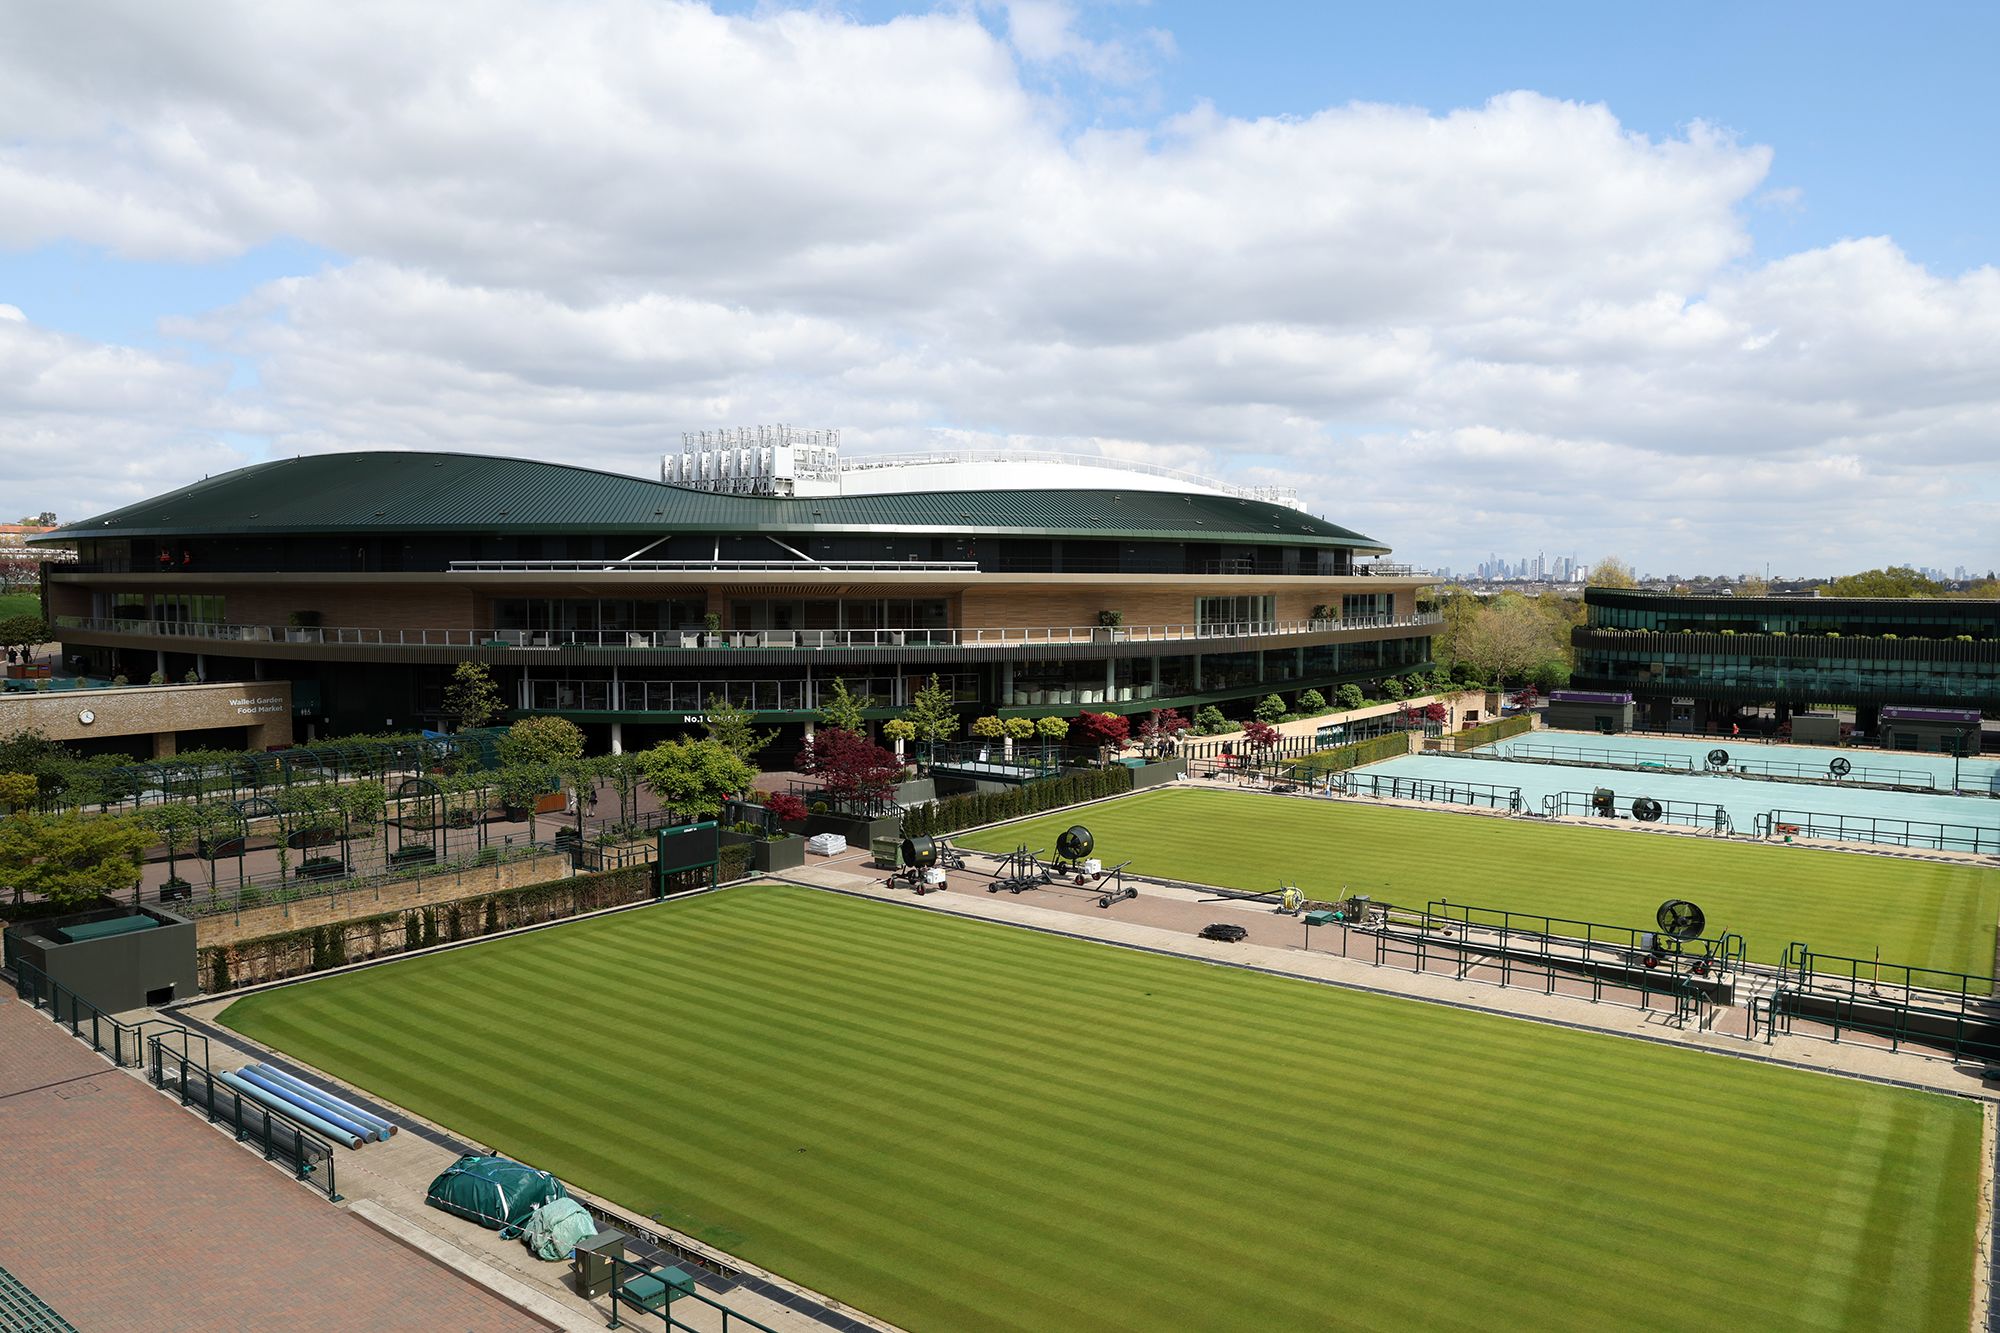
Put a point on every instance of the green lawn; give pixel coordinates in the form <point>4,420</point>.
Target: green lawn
<point>20,604</point>
<point>1919,913</point>
<point>962,1126</point>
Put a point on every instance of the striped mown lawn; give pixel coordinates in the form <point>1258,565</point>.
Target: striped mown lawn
<point>1919,913</point>
<point>964,1126</point>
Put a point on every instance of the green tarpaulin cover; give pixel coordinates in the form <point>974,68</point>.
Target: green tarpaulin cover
<point>554,1229</point>
<point>493,1191</point>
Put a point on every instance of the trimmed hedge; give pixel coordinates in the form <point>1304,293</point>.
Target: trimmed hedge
<point>1488,732</point>
<point>1343,757</point>
<point>1032,798</point>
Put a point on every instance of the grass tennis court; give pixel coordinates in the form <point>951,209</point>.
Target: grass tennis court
<point>1920,913</point>
<point>958,1125</point>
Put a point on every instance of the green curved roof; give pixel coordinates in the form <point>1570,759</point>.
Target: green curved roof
<point>440,492</point>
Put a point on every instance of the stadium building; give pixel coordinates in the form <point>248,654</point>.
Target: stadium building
<point>760,568</point>
<point>1693,662</point>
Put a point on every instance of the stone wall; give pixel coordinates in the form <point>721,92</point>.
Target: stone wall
<point>264,707</point>
<point>402,895</point>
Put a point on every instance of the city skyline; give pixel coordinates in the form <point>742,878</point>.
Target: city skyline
<point>1689,289</point>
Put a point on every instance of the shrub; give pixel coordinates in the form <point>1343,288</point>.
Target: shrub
<point>127,680</point>
<point>1394,688</point>
<point>218,971</point>
<point>1312,703</point>
<point>988,728</point>
<point>1052,728</point>
<point>1350,696</point>
<point>1270,708</point>
<point>157,678</point>
<point>193,677</point>
<point>1209,721</point>
<point>785,807</point>
<point>1020,728</point>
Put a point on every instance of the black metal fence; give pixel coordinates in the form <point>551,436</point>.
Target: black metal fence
<point>1874,828</point>
<point>1704,815</point>
<point>1486,794</point>
<point>1948,1011</point>
<point>123,1044</point>
<point>309,1157</point>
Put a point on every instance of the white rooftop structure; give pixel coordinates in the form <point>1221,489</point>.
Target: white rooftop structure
<point>786,461</point>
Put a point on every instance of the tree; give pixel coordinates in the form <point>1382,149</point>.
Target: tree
<point>1436,712</point>
<point>1106,732</point>
<point>624,774</point>
<point>1350,697</point>
<point>850,766</point>
<point>1259,735</point>
<point>843,710</point>
<point>695,777</point>
<point>932,714</point>
<point>522,786</point>
<point>1749,585</point>
<point>173,822</point>
<point>1507,639</point>
<point>1611,572</point>
<point>1051,728</point>
<point>900,730</point>
<point>1270,708</point>
<point>472,696</point>
<point>729,725</point>
<point>1209,721</point>
<point>1895,581</point>
<point>1160,729</point>
<point>70,859</point>
<point>785,807</point>
<point>541,740</point>
<point>1393,688</point>
<point>1312,703</point>
<point>23,632</point>
<point>988,728</point>
<point>1019,728</point>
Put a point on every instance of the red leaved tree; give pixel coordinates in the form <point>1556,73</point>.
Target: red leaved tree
<point>1161,727</point>
<point>1259,735</point>
<point>851,767</point>
<point>1436,712</point>
<point>785,807</point>
<point>1106,731</point>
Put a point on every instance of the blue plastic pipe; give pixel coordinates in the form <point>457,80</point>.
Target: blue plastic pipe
<point>367,1119</point>
<point>354,1127</point>
<point>286,1109</point>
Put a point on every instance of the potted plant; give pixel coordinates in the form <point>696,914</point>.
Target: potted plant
<point>711,627</point>
<point>1322,615</point>
<point>303,627</point>
<point>1109,627</point>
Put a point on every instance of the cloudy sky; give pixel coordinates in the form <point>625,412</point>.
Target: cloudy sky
<point>1707,293</point>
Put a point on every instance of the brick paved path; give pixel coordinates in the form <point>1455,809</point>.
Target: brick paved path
<point>125,1212</point>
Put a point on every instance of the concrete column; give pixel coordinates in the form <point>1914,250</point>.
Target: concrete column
<point>256,668</point>
<point>1110,681</point>
<point>201,665</point>
<point>809,730</point>
<point>163,745</point>
<point>160,664</point>
<point>1006,685</point>
<point>618,738</point>
<point>1197,673</point>
<point>1156,676</point>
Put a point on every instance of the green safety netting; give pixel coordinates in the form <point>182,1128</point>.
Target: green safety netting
<point>553,1230</point>
<point>493,1191</point>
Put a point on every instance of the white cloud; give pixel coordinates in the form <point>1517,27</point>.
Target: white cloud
<point>577,231</point>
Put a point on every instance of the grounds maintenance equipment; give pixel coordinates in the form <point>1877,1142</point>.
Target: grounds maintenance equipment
<point>320,1096</point>
<point>367,1133</point>
<point>495,1192</point>
<point>293,1111</point>
<point>1073,847</point>
<point>552,1230</point>
<point>1021,870</point>
<point>1119,890</point>
<point>1291,899</point>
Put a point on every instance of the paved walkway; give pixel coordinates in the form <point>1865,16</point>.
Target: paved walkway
<point>1167,920</point>
<point>124,1212</point>
<point>386,1183</point>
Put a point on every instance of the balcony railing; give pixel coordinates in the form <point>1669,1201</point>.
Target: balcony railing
<point>714,566</point>
<point>1021,637</point>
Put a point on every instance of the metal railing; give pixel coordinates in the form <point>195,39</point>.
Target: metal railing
<point>1536,752</point>
<point>1892,1002</point>
<point>1485,794</point>
<point>1872,828</point>
<point>1687,814</point>
<point>309,1157</point>
<point>661,1305</point>
<point>122,1043</point>
<point>805,639</point>
<point>807,566</point>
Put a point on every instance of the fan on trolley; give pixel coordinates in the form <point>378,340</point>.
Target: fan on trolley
<point>1680,923</point>
<point>1073,847</point>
